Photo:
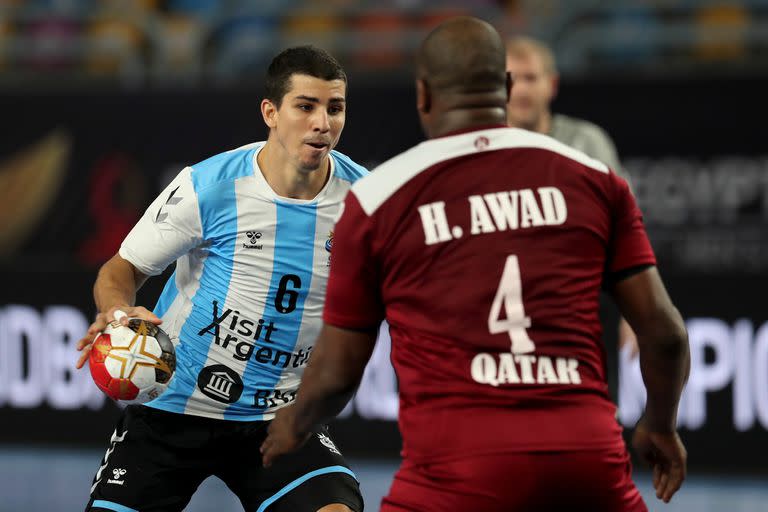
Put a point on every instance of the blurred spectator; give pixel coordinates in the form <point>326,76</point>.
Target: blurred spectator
<point>178,46</point>
<point>322,28</point>
<point>51,42</point>
<point>6,30</point>
<point>115,44</point>
<point>139,6</point>
<point>240,45</point>
<point>379,40</point>
<point>179,39</point>
<point>721,32</point>
<point>633,29</point>
<point>535,83</point>
<point>193,7</point>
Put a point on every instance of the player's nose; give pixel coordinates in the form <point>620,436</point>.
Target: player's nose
<point>321,121</point>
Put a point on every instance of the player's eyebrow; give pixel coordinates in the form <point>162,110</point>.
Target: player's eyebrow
<point>312,99</point>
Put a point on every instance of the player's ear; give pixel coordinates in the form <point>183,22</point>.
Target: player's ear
<point>423,96</point>
<point>269,113</point>
<point>509,85</point>
<point>555,81</point>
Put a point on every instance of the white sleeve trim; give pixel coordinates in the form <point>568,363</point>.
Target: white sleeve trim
<point>169,228</point>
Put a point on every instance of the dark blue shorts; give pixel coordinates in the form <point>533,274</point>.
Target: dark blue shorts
<point>157,459</point>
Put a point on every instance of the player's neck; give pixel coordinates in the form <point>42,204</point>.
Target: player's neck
<point>454,112</point>
<point>544,125</point>
<point>286,180</point>
<point>453,121</point>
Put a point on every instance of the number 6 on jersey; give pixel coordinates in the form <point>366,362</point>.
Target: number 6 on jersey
<point>510,293</point>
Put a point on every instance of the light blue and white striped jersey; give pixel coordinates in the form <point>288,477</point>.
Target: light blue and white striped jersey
<point>245,303</point>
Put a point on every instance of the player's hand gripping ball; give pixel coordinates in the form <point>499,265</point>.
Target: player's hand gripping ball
<point>134,363</point>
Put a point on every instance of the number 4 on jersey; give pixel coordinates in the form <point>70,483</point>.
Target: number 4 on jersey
<point>510,294</point>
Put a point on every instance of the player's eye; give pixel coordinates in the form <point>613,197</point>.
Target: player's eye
<point>335,109</point>
<point>306,107</point>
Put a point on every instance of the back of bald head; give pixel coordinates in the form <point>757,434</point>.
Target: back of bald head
<point>463,55</point>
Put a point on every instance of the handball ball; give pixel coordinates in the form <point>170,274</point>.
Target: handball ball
<point>133,363</point>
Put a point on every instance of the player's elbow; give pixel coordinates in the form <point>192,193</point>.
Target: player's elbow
<point>119,270</point>
<point>665,334</point>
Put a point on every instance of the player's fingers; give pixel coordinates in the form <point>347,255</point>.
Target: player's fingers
<point>94,329</point>
<point>266,444</point>
<point>656,475</point>
<point>119,315</point>
<point>147,315</point>
<point>661,488</point>
<point>83,357</point>
<point>98,325</point>
<point>84,341</point>
<point>267,452</point>
<point>674,482</point>
<point>123,313</point>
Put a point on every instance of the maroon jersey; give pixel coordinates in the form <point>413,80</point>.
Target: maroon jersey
<point>486,252</point>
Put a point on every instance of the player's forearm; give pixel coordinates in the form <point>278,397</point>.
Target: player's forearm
<point>664,363</point>
<point>334,371</point>
<point>116,284</point>
<point>320,398</point>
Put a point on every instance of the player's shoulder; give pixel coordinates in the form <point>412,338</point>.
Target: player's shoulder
<point>581,127</point>
<point>389,177</point>
<point>347,169</point>
<point>225,167</point>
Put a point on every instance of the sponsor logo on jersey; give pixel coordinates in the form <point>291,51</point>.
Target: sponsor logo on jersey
<point>243,333</point>
<point>328,443</point>
<point>117,473</point>
<point>253,238</point>
<point>220,383</point>
<point>245,327</point>
<point>270,398</point>
<point>328,247</point>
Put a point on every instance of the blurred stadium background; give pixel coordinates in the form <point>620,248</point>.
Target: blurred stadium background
<point>103,101</point>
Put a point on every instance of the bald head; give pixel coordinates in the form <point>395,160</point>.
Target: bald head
<point>463,54</point>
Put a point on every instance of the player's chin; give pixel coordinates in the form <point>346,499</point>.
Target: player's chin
<point>313,162</point>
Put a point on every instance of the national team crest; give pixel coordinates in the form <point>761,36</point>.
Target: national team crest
<point>329,242</point>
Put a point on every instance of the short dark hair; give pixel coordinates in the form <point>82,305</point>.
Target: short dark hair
<point>299,60</point>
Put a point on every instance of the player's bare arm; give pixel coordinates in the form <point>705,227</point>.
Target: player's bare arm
<point>114,290</point>
<point>665,363</point>
<point>334,372</point>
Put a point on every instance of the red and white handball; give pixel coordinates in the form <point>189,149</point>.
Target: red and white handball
<point>132,364</point>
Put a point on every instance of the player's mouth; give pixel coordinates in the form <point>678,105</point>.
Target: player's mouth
<point>320,146</point>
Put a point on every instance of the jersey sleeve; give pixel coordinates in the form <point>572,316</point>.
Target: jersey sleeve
<point>353,299</point>
<point>168,229</point>
<point>629,244</point>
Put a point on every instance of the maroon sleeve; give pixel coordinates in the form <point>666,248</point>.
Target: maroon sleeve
<point>353,298</point>
<point>630,246</point>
